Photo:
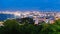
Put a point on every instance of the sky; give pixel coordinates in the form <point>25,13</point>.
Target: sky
<point>29,4</point>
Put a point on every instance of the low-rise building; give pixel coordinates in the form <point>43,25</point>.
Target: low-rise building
<point>1,23</point>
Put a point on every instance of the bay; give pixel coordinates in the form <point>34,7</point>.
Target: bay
<point>6,16</point>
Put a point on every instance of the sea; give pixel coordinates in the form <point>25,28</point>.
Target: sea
<point>5,16</point>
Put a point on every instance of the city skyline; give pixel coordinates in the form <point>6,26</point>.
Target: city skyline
<point>18,13</point>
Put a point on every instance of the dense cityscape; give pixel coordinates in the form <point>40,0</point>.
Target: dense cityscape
<point>38,16</point>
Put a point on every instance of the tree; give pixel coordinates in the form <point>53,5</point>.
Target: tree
<point>26,20</point>
<point>11,26</point>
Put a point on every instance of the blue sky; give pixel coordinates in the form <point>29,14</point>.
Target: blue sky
<point>29,4</point>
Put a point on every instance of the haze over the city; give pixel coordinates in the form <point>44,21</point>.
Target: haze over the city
<point>29,5</point>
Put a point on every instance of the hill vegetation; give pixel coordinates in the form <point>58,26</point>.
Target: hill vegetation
<point>14,27</point>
